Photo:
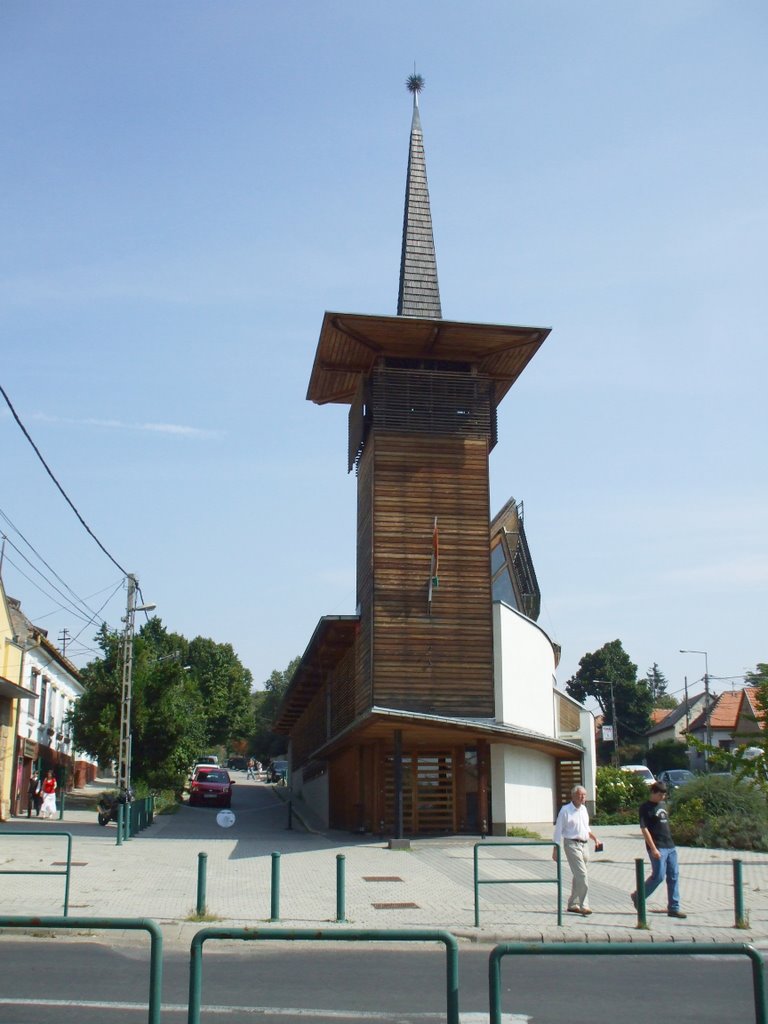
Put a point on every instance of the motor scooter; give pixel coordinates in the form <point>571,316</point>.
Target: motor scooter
<point>109,803</point>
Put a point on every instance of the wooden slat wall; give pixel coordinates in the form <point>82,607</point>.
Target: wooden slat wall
<point>365,484</point>
<point>342,688</point>
<point>310,731</point>
<point>428,792</point>
<point>441,663</point>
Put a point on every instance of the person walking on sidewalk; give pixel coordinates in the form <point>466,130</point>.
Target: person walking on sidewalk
<point>572,828</point>
<point>654,824</point>
<point>34,799</point>
<point>48,810</point>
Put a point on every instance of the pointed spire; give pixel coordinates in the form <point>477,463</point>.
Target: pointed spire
<point>419,291</point>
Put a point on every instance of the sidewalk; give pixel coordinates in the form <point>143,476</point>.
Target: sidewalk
<point>155,875</point>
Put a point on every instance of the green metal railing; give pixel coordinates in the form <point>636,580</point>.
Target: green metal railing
<point>66,872</point>
<point>740,916</point>
<point>154,1002</point>
<point>558,881</point>
<point>625,949</point>
<point>134,817</point>
<point>331,935</point>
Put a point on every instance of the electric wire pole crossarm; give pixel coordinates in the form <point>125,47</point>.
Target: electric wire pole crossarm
<point>124,751</point>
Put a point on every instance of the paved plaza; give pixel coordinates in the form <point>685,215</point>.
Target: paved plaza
<point>155,875</point>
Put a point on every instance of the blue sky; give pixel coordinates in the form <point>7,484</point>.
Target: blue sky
<point>188,186</point>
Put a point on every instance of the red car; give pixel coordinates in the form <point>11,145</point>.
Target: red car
<point>211,786</point>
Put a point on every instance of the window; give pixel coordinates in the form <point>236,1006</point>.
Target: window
<point>34,681</point>
<point>42,702</point>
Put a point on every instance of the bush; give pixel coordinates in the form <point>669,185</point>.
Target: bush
<point>721,813</point>
<point>620,793</point>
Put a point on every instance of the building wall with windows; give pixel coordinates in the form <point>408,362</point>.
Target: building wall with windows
<point>43,734</point>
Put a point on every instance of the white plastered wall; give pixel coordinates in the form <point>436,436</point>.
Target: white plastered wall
<point>522,786</point>
<point>524,672</point>
<point>522,779</point>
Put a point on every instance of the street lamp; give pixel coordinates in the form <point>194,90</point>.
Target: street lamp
<point>707,728</point>
<point>124,752</point>
<point>608,682</point>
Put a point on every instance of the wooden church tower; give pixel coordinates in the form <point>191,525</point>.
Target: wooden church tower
<point>423,394</point>
<point>392,708</point>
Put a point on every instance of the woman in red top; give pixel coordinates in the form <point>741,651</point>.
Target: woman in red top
<point>48,810</point>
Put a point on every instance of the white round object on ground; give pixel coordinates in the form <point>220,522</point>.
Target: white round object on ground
<point>226,819</point>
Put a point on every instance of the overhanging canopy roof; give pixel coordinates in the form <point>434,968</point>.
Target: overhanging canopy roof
<point>422,728</point>
<point>15,692</point>
<point>333,637</point>
<point>350,344</point>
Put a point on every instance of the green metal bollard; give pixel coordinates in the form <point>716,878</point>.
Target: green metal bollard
<point>738,897</point>
<point>120,810</point>
<point>340,889</point>
<point>202,870</point>
<point>275,901</point>
<point>640,890</point>
<point>61,805</point>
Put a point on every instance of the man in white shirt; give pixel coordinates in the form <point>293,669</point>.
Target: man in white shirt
<point>572,828</point>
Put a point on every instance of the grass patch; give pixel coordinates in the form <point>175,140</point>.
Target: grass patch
<point>206,916</point>
<point>518,832</point>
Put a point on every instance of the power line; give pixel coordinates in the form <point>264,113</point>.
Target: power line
<point>69,605</point>
<point>64,494</point>
<point>50,568</point>
<point>68,608</point>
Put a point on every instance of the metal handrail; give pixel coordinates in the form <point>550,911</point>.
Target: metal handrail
<point>517,881</point>
<point>624,949</point>
<point>154,1003</point>
<point>327,935</point>
<point>67,871</point>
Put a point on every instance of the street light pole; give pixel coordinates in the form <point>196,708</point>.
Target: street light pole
<point>608,682</point>
<point>707,725</point>
<point>126,696</point>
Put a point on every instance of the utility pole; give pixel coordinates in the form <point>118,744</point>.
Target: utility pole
<point>707,723</point>
<point>687,707</point>
<point>64,640</point>
<point>126,696</point>
<point>608,682</point>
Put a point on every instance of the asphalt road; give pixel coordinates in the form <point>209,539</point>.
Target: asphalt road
<point>67,982</point>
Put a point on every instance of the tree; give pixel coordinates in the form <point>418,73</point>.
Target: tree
<point>267,744</point>
<point>611,665</point>
<point>225,686</point>
<point>185,697</point>
<point>657,684</point>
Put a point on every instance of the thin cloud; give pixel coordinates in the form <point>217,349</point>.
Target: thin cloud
<point>177,429</point>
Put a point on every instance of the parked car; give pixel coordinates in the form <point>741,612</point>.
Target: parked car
<point>277,771</point>
<point>211,786</point>
<point>673,778</point>
<point>644,772</point>
<point>237,764</point>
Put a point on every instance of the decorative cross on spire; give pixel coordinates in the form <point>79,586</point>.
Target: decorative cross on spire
<point>414,83</point>
<point>419,293</point>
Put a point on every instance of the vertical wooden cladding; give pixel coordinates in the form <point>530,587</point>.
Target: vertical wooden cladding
<point>569,774</point>
<point>363,691</point>
<point>310,731</point>
<point>440,662</point>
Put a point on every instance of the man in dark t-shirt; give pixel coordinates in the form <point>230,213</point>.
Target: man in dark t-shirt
<point>654,824</point>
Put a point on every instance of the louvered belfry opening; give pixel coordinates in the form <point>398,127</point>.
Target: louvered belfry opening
<point>422,398</point>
